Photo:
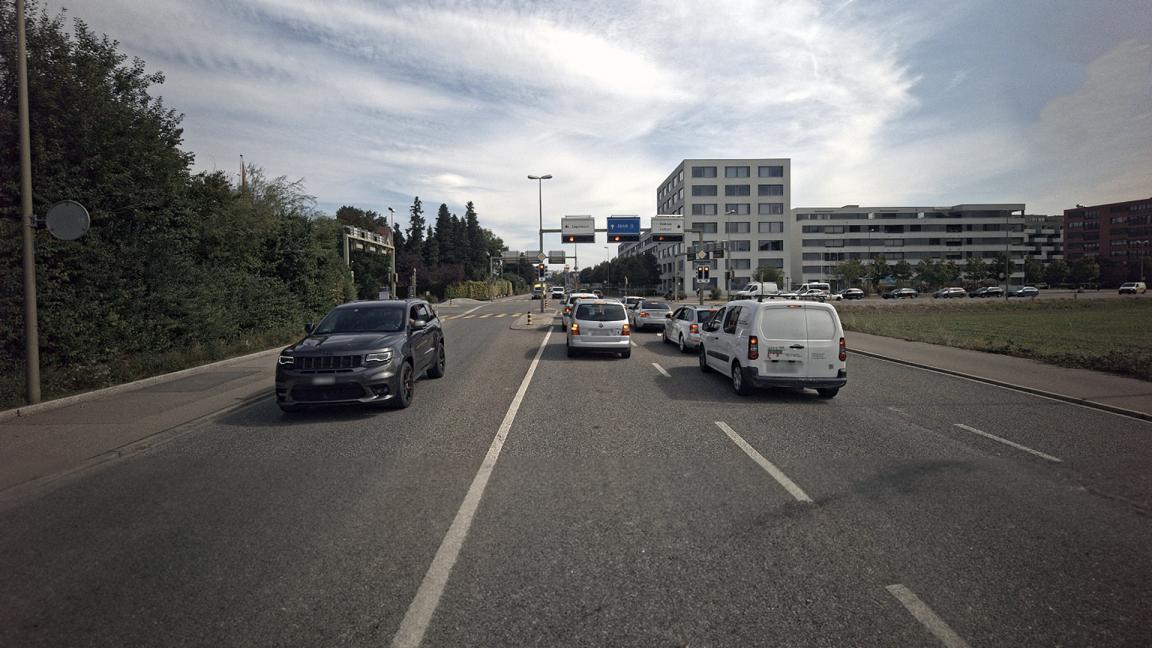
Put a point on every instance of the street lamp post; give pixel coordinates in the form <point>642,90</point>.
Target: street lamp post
<point>540,196</point>
<point>608,271</point>
<point>392,274</point>
<point>31,333</point>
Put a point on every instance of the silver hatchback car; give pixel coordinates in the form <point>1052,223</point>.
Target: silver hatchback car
<point>600,326</point>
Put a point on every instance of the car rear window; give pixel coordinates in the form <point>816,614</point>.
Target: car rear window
<point>821,325</point>
<point>703,316</point>
<point>654,306</point>
<point>600,312</point>
<point>784,324</point>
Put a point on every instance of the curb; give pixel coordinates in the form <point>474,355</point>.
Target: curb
<point>17,494</point>
<point>1143,416</point>
<point>29,410</point>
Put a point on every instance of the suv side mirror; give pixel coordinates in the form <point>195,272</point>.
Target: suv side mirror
<point>308,328</point>
<point>419,325</point>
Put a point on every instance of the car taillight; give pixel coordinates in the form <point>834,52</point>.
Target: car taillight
<point>575,328</point>
<point>843,351</point>
<point>626,330</point>
<point>567,310</point>
<point>753,348</point>
<point>643,313</point>
<point>693,328</point>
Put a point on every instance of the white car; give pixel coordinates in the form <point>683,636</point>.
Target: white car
<point>682,327</point>
<point>600,326</point>
<point>777,344</point>
<point>566,316</point>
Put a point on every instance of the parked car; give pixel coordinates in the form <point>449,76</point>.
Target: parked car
<point>682,327</point>
<point>901,293</point>
<point>648,314</point>
<point>1133,288</point>
<point>852,293</point>
<point>810,290</point>
<point>950,293</point>
<point>566,314</point>
<point>987,291</point>
<point>362,352</point>
<point>599,326</point>
<point>1024,291</point>
<point>776,344</point>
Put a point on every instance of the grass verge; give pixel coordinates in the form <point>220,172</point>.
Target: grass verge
<point>60,381</point>
<point>1104,335</point>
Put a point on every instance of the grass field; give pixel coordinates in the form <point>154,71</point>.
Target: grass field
<point>1106,335</point>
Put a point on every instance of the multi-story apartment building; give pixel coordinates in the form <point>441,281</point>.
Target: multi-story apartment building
<point>829,236</point>
<point>1044,237</point>
<point>1117,234</point>
<point>742,204</point>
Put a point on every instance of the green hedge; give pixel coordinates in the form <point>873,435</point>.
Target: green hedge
<point>479,290</point>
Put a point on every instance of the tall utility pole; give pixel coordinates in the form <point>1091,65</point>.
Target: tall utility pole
<point>31,333</point>
<point>392,274</point>
<point>540,196</point>
<point>608,272</point>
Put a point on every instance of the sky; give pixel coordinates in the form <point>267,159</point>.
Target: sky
<point>898,102</point>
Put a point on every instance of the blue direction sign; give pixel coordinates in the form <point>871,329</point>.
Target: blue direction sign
<point>622,229</point>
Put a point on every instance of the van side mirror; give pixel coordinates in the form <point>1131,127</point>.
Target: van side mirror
<point>308,328</point>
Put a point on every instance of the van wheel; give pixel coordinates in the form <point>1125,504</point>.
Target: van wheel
<point>704,361</point>
<point>683,349</point>
<point>828,392</point>
<point>739,383</point>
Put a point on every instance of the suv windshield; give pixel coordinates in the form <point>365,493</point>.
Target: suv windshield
<point>600,312</point>
<point>366,319</point>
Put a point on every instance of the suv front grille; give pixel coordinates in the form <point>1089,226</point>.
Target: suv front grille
<point>315,394</point>
<point>327,363</point>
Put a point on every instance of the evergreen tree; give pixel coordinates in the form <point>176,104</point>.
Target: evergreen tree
<point>459,239</point>
<point>476,257</point>
<point>445,236</point>
<point>416,225</point>
<point>431,251</point>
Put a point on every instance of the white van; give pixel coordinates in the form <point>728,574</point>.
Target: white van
<point>757,289</point>
<point>776,344</point>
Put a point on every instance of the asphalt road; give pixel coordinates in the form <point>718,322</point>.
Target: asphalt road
<point>624,508</point>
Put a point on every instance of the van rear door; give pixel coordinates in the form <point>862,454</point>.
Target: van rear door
<point>783,340</point>
<point>823,343</point>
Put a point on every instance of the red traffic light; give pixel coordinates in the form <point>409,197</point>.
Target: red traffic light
<point>616,239</point>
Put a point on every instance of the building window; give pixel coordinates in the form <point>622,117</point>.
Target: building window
<point>703,172</point>
<point>703,210</point>
<point>740,264</point>
<point>770,171</point>
<point>736,172</point>
<point>740,246</point>
<point>833,229</point>
<point>834,243</point>
<point>740,209</point>
<point>707,228</point>
<point>704,190</point>
<point>770,190</point>
<point>770,246</point>
<point>770,209</point>
<point>893,242</point>
<point>771,227</point>
<point>743,227</point>
<point>771,263</point>
<point>680,195</point>
<point>738,190</point>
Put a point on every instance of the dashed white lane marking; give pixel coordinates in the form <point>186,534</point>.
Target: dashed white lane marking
<point>423,606</point>
<point>768,466</point>
<point>898,410</point>
<point>1007,442</point>
<point>469,312</point>
<point>662,370</point>
<point>926,616</point>
<point>484,315</point>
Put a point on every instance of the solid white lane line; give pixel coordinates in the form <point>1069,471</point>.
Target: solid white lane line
<point>662,370</point>
<point>1007,442</point>
<point>768,466</point>
<point>926,616</point>
<point>423,606</point>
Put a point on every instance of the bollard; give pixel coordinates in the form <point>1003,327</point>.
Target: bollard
<point>529,318</point>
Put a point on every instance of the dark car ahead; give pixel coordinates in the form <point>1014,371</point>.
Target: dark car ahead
<point>901,293</point>
<point>362,352</point>
<point>987,292</point>
<point>1024,291</point>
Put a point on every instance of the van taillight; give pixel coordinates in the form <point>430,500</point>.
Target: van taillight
<point>753,348</point>
<point>693,328</point>
<point>843,351</point>
<point>575,328</point>
<point>626,330</point>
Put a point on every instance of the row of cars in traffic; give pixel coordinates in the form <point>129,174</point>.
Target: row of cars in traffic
<point>756,343</point>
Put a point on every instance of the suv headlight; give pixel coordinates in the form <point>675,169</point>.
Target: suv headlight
<point>286,361</point>
<point>378,358</point>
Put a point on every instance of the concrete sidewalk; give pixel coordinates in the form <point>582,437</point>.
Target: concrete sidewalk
<point>56,438</point>
<point>1094,388</point>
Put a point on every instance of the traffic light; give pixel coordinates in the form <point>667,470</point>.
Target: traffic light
<point>702,272</point>
<point>667,238</point>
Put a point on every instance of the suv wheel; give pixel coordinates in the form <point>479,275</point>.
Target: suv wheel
<point>407,386</point>
<point>704,361</point>
<point>739,383</point>
<point>437,369</point>
<point>683,349</point>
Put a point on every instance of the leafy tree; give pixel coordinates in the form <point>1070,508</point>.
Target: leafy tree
<point>1056,272</point>
<point>770,274</point>
<point>902,270</point>
<point>850,271</point>
<point>364,219</point>
<point>975,270</point>
<point>998,269</point>
<point>951,271</point>
<point>1033,270</point>
<point>879,270</point>
<point>1086,270</point>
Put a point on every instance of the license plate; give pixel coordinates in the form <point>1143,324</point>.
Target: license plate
<point>324,380</point>
<point>603,332</point>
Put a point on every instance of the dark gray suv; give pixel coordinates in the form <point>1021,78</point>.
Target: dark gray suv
<point>362,352</point>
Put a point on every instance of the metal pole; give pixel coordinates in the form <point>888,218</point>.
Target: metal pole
<point>392,276</point>
<point>608,273</point>
<point>31,333</point>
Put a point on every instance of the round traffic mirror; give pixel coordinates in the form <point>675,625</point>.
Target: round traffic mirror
<point>67,220</point>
